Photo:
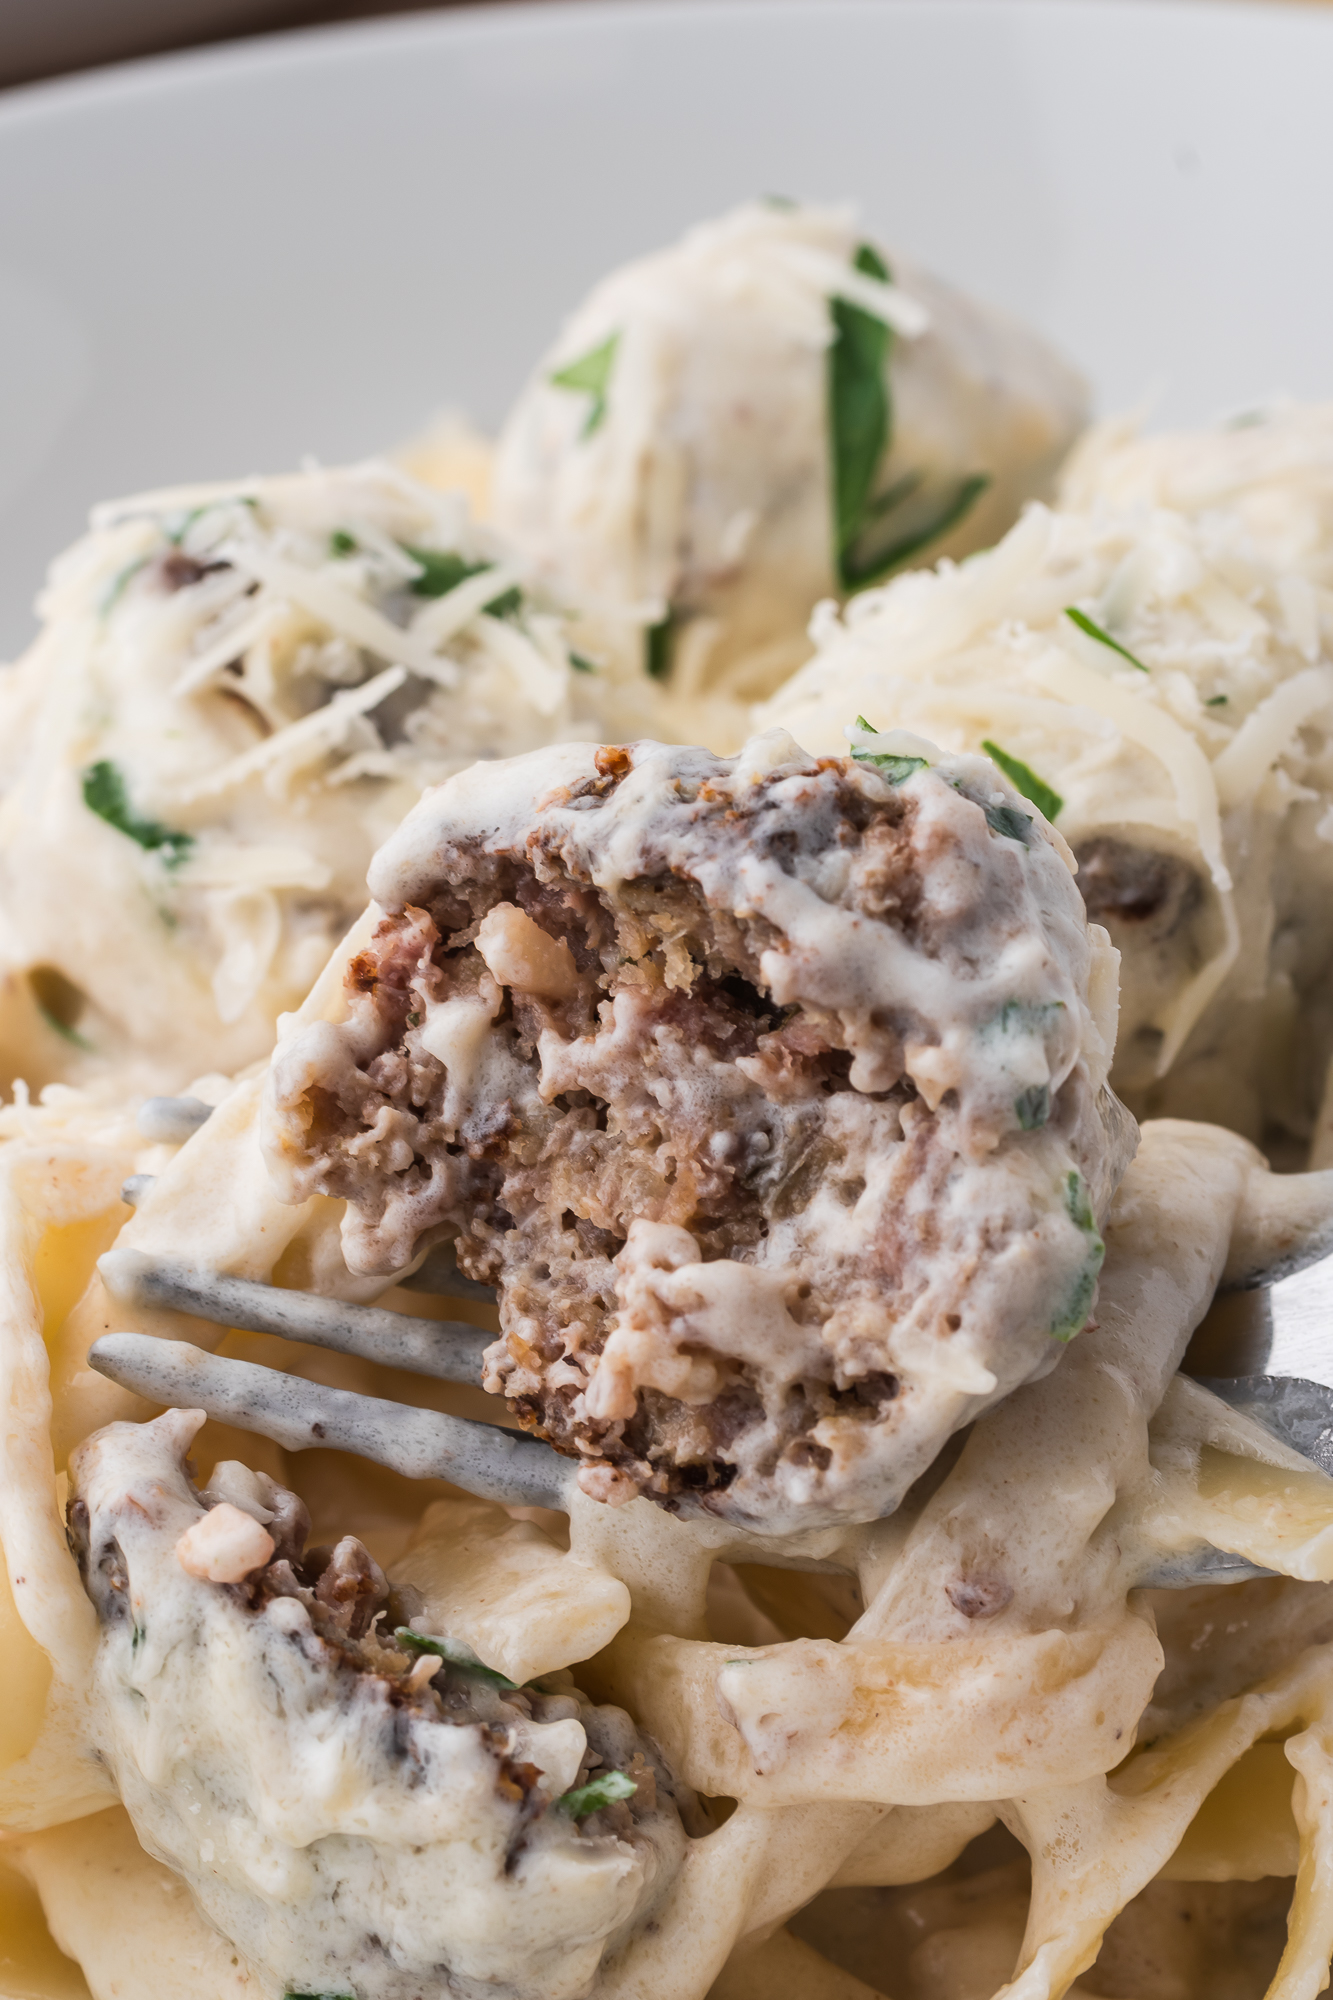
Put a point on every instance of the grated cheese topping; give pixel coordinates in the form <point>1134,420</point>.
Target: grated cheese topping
<point>256,681</point>
<point>670,467</point>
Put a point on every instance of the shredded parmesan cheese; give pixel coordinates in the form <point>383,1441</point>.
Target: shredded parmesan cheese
<point>1183,730</point>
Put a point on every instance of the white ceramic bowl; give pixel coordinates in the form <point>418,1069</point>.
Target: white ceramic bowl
<point>212,264</point>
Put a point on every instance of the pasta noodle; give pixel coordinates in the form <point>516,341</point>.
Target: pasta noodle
<point>943,1705</point>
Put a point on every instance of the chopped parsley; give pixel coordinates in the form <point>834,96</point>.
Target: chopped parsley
<point>581,663</point>
<point>1018,1017</point>
<point>442,570</point>
<point>893,769</point>
<point>104,793</point>
<point>341,543</point>
<point>659,643</point>
<point>1079,1303</point>
<point>1215,701</point>
<point>860,416</point>
<point>600,1791</point>
<point>1032,1107</point>
<point>1078,1204</point>
<point>1043,796</point>
<point>1008,821</point>
<point>455,1654</point>
<point>860,422</point>
<point>60,1004</point>
<point>590,375</point>
<point>1094,631</point>
<point>932,520</point>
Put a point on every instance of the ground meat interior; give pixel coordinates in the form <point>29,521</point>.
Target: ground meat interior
<point>660,1128</point>
<point>1125,884</point>
<point>710,1203</point>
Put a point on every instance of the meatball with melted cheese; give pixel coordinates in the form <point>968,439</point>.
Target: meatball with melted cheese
<point>357,1806</point>
<point>767,413</point>
<point>769,1090</point>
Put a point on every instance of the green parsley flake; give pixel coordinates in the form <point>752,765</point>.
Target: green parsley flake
<point>892,769</point>
<point>455,1654</point>
<point>104,793</point>
<point>1008,821</point>
<point>659,644</point>
<point>1078,1204</point>
<point>60,1004</point>
<point>1032,1107</point>
<point>860,422</point>
<point>1028,1017</point>
<point>1079,1304</point>
<point>590,375</point>
<point>581,663</point>
<point>1043,796</point>
<point>929,522</point>
<point>860,415</point>
<point>1215,701</point>
<point>603,1790</point>
<point>442,570</point>
<point>341,543</point>
<point>1094,631</point>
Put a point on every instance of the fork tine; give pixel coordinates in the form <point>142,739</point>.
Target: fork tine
<point>422,1444</point>
<point>173,1119</point>
<point>1298,1413</point>
<point>448,1350</point>
<point>1203,1564</point>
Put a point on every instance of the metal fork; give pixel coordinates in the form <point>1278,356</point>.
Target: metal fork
<point>1266,1352</point>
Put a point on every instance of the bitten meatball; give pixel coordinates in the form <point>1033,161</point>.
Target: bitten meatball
<point>770,1091</point>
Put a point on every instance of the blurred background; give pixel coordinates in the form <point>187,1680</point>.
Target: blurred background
<point>43,38</point>
<point>49,37</point>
